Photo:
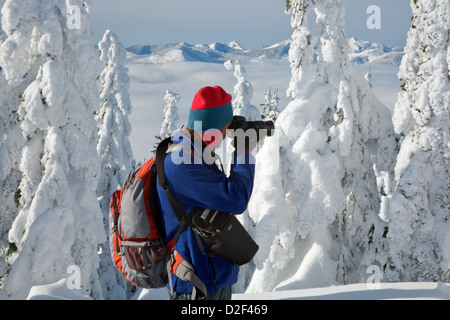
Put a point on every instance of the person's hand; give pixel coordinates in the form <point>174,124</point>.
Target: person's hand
<point>246,140</point>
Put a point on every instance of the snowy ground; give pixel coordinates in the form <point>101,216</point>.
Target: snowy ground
<point>385,291</point>
<point>359,291</point>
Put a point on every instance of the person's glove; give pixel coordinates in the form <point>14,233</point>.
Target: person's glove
<point>245,140</point>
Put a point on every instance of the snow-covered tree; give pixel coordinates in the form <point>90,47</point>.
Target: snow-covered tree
<point>270,107</point>
<point>11,141</point>
<point>243,92</point>
<point>114,128</point>
<point>170,122</point>
<point>15,76</point>
<point>114,148</point>
<point>316,198</point>
<point>368,77</point>
<point>50,43</point>
<point>419,209</point>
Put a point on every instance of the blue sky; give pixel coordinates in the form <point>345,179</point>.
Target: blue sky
<point>252,23</point>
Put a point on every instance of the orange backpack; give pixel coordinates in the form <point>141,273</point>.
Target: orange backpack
<point>137,236</point>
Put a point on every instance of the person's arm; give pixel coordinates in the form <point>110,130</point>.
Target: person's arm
<point>198,186</point>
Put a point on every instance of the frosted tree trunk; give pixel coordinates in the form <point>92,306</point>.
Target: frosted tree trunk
<point>419,207</point>
<point>59,225</point>
<point>317,195</point>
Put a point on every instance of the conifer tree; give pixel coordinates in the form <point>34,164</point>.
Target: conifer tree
<point>418,210</point>
<point>11,141</point>
<point>322,212</point>
<point>243,92</point>
<point>368,77</point>
<point>171,117</point>
<point>15,76</point>
<point>270,107</point>
<point>60,223</point>
<point>114,128</point>
<point>114,148</point>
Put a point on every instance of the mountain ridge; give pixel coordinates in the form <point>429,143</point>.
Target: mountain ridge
<point>361,52</point>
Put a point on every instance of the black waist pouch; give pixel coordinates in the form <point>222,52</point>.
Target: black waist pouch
<point>224,235</point>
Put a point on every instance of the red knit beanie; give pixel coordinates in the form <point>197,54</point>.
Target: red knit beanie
<point>211,106</point>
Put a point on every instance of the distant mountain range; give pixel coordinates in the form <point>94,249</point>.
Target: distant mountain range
<point>362,52</point>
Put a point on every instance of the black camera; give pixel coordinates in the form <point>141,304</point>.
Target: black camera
<point>240,122</point>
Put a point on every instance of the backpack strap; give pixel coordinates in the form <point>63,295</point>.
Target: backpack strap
<point>116,214</point>
<point>182,216</point>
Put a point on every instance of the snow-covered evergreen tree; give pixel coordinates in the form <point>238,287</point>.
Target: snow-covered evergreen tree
<point>11,142</point>
<point>270,107</point>
<point>170,122</point>
<point>419,208</point>
<point>15,76</point>
<point>368,77</point>
<point>316,199</point>
<point>60,222</point>
<point>114,128</point>
<point>243,92</point>
<point>114,148</point>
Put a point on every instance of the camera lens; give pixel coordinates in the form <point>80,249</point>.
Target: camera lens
<point>262,125</point>
<point>240,122</point>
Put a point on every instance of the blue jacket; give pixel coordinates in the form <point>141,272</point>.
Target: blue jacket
<point>196,182</point>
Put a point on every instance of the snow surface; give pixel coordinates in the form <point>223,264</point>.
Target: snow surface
<point>360,291</point>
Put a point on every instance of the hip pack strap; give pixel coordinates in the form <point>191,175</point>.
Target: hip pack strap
<point>185,271</point>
